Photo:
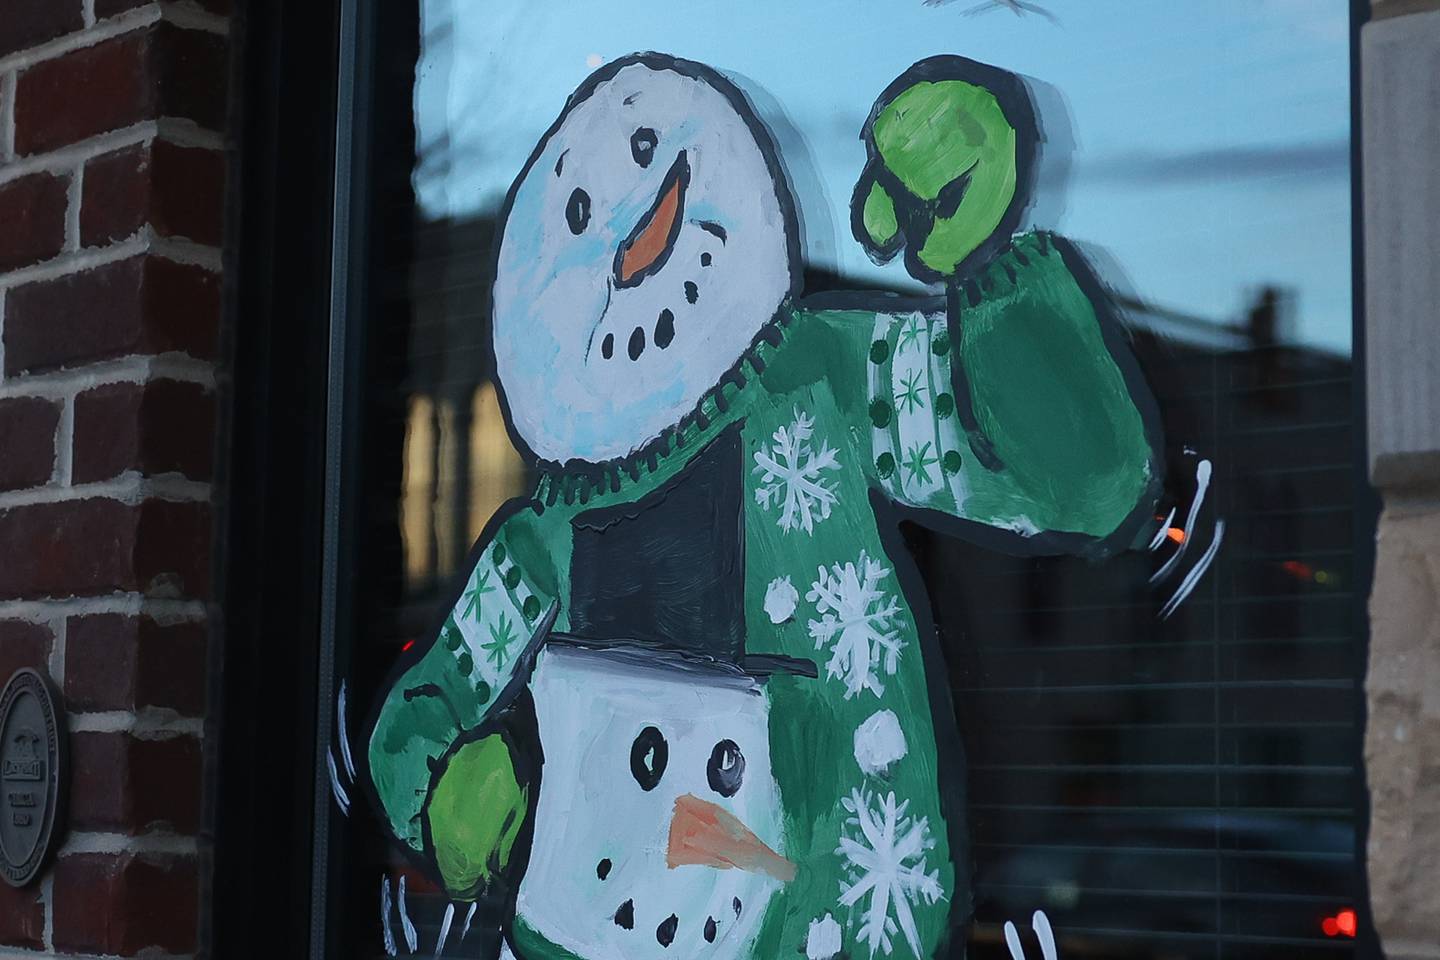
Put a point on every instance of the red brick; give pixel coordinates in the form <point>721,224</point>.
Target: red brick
<point>159,71</point>
<point>177,190</point>
<point>145,304</point>
<point>115,662</point>
<point>164,426</point>
<point>30,22</point>
<point>121,783</point>
<point>23,645</point>
<point>121,904</point>
<point>22,917</point>
<point>33,211</point>
<point>27,439</point>
<point>97,546</point>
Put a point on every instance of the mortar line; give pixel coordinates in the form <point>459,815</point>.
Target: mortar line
<point>162,611</point>
<point>136,368</point>
<point>73,193</point>
<point>65,443</point>
<point>106,29</point>
<point>129,488</point>
<point>7,115</point>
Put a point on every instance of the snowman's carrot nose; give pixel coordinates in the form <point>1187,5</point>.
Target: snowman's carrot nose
<point>704,834</point>
<point>648,246</point>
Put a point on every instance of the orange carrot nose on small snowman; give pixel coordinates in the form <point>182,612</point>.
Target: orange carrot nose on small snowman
<point>707,835</point>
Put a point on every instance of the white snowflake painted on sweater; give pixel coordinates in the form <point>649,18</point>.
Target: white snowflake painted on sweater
<point>791,475</point>
<point>884,852</point>
<point>859,619</point>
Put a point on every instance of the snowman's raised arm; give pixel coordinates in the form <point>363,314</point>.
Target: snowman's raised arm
<point>450,687</point>
<point>1018,407</point>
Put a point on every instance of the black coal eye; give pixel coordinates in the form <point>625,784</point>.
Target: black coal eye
<point>577,211</point>
<point>726,769</point>
<point>648,756</point>
<point>642,145</point>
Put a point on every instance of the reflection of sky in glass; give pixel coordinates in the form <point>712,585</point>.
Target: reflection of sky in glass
<point>1211,136</point>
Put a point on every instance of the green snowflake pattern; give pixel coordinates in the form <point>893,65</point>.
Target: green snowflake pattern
<point>478,588</point>
<point>502,634</point>
<point>912,393</point>
<point>918,461</point>
<point>909,334</point>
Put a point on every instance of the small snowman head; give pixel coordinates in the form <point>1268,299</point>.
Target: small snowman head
<point>649,238</point>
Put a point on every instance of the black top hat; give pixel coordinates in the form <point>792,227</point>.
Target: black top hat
<point>664,576</point>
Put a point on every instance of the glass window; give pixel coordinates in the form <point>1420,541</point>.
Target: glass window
<point>867,479</point>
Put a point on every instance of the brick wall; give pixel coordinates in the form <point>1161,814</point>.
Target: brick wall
<point>111,185</point>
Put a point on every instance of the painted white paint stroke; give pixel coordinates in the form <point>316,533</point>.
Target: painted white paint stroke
<point>858,621</point>
<point>590,706</point>
<point>1012,940</point>
<point>1164,529</point>
<point>1202,483</point>
<point>823,940</point>
<point>1041,924</point>
<point>344,728</point>
<point>1193,577</point>
<point>465,927</point>
<point>879,742</point>
<point>558,299</point>
<point>409,928</point>
<point>387,933</point>
<point>885,859</point>
<point>342,799</point>
<point>791,470</point>
<point>445,928</point>
<point>780,599</point>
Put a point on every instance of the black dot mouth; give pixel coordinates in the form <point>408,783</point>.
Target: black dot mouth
<point>665,933</point>
<point>602,869</point>
<point>664,329</point>
<point>625,915</point>
<point>710,929</point>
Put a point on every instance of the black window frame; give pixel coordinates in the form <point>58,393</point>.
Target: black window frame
<point>300,230</point>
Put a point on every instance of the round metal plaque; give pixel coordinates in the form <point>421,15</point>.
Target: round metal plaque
<point>32,760</point>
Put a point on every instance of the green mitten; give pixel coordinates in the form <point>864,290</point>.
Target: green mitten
<point>951,144</point>
<point>475,813</point>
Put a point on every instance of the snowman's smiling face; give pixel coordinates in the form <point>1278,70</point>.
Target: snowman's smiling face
<point>658,826</point>
<point>644,246</point>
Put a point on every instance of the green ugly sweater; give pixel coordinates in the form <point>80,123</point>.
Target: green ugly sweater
<point>1036,439</point>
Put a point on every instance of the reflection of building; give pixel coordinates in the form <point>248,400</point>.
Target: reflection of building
<point>1185,781</point>
<point>459,465</point>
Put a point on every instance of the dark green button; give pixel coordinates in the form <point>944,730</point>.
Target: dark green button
<point>951,461</point>
<point>879,350</point>
<point>880,413</point>
<point>944,405</point>
<point>885,465</point>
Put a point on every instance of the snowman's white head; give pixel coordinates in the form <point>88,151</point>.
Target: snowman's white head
<point>647,241</point>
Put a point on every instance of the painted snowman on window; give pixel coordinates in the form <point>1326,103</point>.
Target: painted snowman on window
<point>690,701</point>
